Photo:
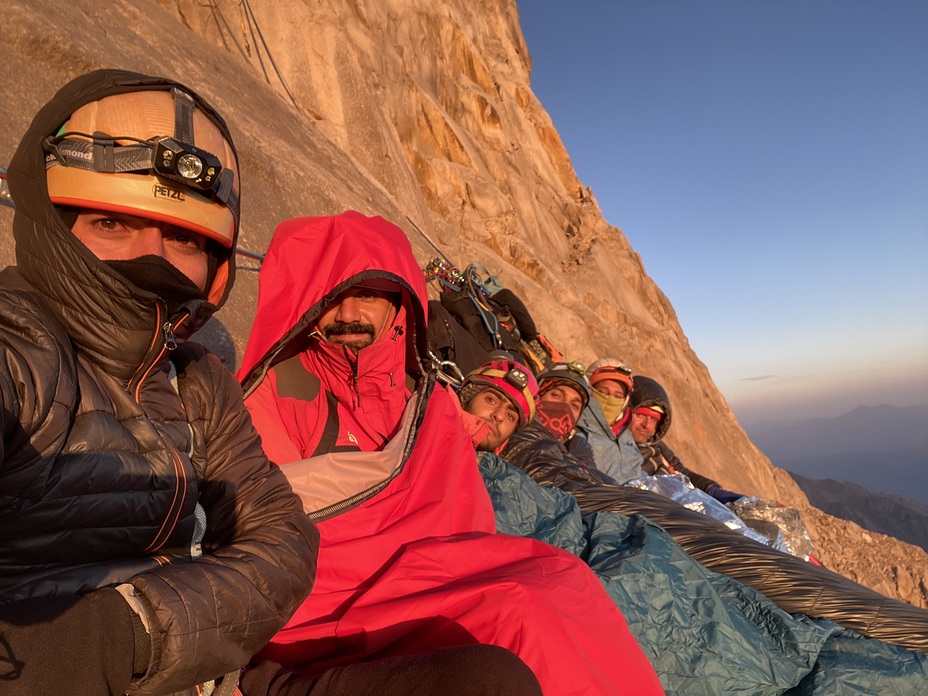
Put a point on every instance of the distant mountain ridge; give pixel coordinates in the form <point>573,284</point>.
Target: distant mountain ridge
<point>892,515</point>
<point>882,448</point>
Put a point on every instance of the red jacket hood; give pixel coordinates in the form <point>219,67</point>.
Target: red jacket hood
<point>309,262</point>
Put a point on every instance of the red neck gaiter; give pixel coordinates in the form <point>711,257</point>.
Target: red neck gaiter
<point>557,418</point>
<point>620,424</point>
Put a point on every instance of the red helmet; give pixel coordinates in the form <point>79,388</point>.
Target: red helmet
<point>513,379</point>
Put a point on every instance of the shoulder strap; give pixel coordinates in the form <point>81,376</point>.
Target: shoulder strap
<point>295,381</point>
<point>327,443</point>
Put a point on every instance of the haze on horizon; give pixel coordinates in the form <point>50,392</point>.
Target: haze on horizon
<point>769,161</point>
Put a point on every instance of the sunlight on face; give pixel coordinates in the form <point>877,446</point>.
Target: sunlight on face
<point>643,426</point>
<point>358,317</point>
<point>611,387</point>
<point>498,412</point>
<point>122,237</point>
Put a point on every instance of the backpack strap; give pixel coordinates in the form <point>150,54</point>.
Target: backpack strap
<point>296,382</point>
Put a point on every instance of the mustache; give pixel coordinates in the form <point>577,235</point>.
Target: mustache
<point>354,327</point>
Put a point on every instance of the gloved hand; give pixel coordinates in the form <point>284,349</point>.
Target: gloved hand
<point>75,644</point>
<point>466,670</point>
<point>270,679</point>
<point>723,496</point>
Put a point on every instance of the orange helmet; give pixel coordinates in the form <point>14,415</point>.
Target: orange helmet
<point>611,369</point>
<point>152,153</point>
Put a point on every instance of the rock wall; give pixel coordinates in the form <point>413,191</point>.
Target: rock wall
<point>420,111</point>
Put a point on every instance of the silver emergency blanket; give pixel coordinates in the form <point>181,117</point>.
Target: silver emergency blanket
<point>770,518</point>
<point>678,488</point>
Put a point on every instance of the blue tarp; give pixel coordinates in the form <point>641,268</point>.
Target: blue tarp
<point>705,633</point>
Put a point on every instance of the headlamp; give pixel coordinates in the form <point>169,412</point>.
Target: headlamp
<point>577,367</point>
<point>517,378</point>
<point>186,164</point>
<point>621,369</point>
<point>168,157</point>
<point>6,197</point>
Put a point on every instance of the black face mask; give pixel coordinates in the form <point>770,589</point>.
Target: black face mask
<point>154,274</point>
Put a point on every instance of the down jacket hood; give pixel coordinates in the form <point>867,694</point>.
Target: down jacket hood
<point>649,393</point>
<point>310,261</point>
<point>109,319</point>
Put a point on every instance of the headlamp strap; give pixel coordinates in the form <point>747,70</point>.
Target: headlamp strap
<point>98,155</point>
<point>518,380</point>
<point>183,116</point>
<point>225,190</point>
<point>102,154</point>
<point>103,147</point>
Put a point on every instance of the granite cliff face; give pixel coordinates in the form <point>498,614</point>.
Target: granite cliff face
<point>422,112</point>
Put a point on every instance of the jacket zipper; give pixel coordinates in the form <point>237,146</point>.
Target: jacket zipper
<point>265,366</point>
<point>353,379</point>
<point>169,343</point>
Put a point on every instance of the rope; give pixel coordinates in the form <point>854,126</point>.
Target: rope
<point>250,27</point>
<point>267,50</point>
<point>217,17</point>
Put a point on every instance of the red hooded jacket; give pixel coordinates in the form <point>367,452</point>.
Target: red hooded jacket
<point>409,559</point>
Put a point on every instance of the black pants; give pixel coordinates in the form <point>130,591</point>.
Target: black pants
<point>470,670</point>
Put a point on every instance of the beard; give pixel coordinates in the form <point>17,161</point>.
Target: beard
<point>334,331</point>
<point>492,431</point>
<point>492,439</point>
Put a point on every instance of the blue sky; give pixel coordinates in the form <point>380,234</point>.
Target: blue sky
<point>769,161</point>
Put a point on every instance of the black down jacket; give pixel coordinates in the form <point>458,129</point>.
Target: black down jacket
<point>539,454</point>
<point>106,467</point>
